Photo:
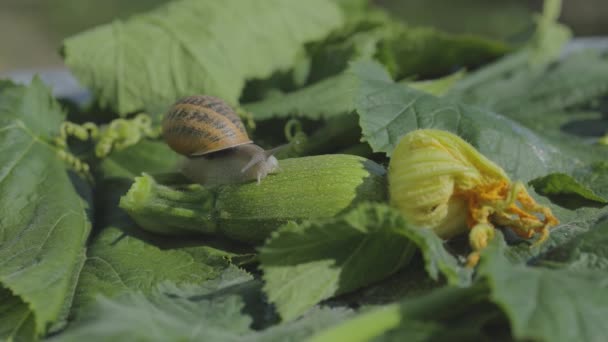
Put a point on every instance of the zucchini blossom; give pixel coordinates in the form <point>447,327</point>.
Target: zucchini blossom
<point>440,182</point>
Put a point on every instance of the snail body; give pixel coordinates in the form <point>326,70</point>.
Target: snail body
<point>215,143</point>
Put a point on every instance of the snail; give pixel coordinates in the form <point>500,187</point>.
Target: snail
<point>215,143</point>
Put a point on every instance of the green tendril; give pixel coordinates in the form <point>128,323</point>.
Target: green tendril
<point>74,163</point>
<point>117,135</point>
<point>82,132</point>
<point>122,133</point>
<point>295,135</point>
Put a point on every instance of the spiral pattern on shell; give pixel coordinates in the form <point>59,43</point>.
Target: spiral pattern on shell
<point>202,124</point>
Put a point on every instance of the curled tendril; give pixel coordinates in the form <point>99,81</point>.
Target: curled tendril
<point>75,164</point>
<point>83,132</point>
<point>122,133</point>
<point>292,127</point>
<point>117,135</point>
<point>294,135</point>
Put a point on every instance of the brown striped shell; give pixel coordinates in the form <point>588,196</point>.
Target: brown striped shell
<point>202,124</point>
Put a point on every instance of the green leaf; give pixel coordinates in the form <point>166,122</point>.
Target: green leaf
<point>390,110</point>
<point>353,5</point>
<point>437,259</point>
<point>587,187</point>
<point>213,311</point>
<point>123,259</point>
<point>410,281</point>
<point>312,322</point>
<point>332,96</point>
<point>480,323</point>
<point>427,52</point>
<point>17,323</point>
<point>170,313</point>
<point>410,51</point>
<point>357,39</point>
<point>411,331</point>
<point>587,251</point>
<point>146,156</point>
<point>421,52</point>
<point>544,48</point>
<point>439,86</point>
<point>540,304</point>
<point>119,263</point>
<point>572,224</point>
<point>547,305</point>
<point>43,220</point>
<point>594,176</point>
<point>523,93</point>
<point>193,46</point>
<point>306,263</point>
<point>561,184</point>
<point>413,319</point>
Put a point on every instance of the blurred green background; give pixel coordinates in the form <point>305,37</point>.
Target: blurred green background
<point>31,30</point>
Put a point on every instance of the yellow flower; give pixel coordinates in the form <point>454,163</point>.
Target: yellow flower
<point>440,182</point>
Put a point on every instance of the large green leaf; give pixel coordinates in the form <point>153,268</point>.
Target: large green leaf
<point>586,251</point>
<point>43,221</point>
<point>537,54</point>
<point>212,311</point>
<point>353,5</point>
<point>563,185</point>
<point>119,263</point>
<point>522,92</point>
<point>576,214</point>
<point>539,304</point>
<point>438,261</point>
<point>306,263</point>
<point>332,96</point>
<point>414,319</point>
<point>427,52</point>
<point>357,39</point>
<point>407,51</point>
<point>194,46</point>
<point>547,305</point>
<point>123,259</point>
<point>171,313</point>
<point>388,110</point>
<point>594,176</point>
<point>17,321</point>
<point>314,321</point>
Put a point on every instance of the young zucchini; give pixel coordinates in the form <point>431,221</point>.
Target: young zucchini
<point>304,188</point>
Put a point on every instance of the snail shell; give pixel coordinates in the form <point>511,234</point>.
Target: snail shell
<point>214,140</point>
<point>202,124</point>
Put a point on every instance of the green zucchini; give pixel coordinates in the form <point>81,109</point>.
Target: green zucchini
<point>305,188</point>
